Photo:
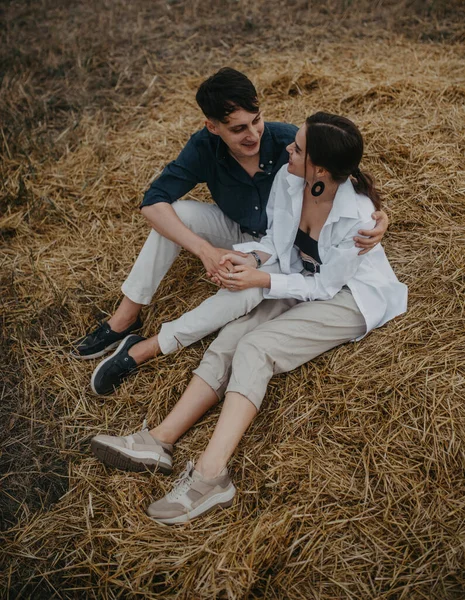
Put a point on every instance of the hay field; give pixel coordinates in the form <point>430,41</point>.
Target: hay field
<point>351,481</point>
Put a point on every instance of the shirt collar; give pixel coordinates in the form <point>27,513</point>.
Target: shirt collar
<point>295,184</point>
<point>345,200</point>
<point>221,151</point>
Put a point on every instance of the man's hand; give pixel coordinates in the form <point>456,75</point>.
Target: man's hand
<point>373,236</point>
<point>243,277</point>
<point>239,258</point>
<point>211,258</point>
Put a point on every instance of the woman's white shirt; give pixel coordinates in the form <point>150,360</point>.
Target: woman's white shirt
<point>374,286</point>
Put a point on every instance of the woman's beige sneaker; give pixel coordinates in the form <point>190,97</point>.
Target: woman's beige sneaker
<point>193,496</point>
<point>137,452</point>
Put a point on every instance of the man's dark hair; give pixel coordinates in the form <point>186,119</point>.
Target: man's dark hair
<point>224,92</point>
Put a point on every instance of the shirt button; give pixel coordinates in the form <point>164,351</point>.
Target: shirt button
<point>256,208</point>
<point>254,232</point>
<point>271,162</point>
<point>261,166</point>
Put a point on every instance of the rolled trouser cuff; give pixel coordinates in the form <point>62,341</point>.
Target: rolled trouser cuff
<point>136,295</point>
<point>251,396</point>
<point>210,380</point>
<point>166,340</point>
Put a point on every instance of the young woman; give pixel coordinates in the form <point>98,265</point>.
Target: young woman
<point>321,293</point>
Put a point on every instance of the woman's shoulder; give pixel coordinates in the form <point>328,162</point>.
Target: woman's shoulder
<point>350,204</point>
<point>365,206</point>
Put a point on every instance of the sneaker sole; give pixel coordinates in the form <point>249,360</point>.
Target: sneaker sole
<point>224,500</point>
<point>100,365</point>
<point>96,355</point>
<point>116,458</point>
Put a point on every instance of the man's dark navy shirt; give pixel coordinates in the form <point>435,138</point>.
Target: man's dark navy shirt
<point>205,159</point>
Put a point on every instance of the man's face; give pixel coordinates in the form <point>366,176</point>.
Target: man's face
<point>242,132</point>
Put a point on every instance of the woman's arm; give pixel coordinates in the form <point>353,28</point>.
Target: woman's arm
<point>341,262</point>
<point>243,277</point>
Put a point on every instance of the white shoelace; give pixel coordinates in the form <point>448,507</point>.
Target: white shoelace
<point>182,484</point>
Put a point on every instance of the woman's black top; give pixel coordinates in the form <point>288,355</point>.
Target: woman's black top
<point>308,251</point>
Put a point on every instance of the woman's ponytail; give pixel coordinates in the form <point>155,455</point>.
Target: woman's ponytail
<point>364,184</point>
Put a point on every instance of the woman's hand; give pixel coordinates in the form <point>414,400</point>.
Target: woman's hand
<point>375,235</point>
<point>234,258</point>
<point>243,277</point>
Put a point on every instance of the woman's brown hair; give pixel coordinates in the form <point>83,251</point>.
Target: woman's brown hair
<point>336,144</point>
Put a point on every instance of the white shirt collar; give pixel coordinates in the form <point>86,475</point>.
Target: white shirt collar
<point>345,200</point>
<point>294,183</point>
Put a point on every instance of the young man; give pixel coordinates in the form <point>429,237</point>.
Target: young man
<point>237,155</point>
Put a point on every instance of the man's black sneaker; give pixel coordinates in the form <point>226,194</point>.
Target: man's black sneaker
<point>101,340</point>
<point>110,373</point>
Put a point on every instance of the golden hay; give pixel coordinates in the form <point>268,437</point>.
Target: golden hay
<point>351,479</point>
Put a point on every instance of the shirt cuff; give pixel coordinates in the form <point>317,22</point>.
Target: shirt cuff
<point>151,200</point>
<point>278,286</point>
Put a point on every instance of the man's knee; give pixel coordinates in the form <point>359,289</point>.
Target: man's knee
<point>189,211</point>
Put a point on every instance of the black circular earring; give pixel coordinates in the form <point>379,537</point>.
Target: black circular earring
<point>318,188</point>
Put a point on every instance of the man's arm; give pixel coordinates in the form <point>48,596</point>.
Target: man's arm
<point>373,236</point>
<point>163,218</point>
<point>178,178</point>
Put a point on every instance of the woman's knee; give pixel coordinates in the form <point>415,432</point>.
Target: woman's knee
<point>252,369</point>
<point>252,354</point>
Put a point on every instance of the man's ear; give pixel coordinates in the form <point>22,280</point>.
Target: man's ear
<point>211,126</point>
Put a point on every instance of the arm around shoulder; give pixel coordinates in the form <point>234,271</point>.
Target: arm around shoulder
<point>374,235</point>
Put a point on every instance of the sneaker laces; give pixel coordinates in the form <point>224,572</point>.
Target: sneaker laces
<point>102,329</point>
<point>182,484</point>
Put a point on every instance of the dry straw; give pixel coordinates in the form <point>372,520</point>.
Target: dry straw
<point>351,479</point>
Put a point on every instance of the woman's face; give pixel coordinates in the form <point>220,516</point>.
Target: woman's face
<point>297,155</point>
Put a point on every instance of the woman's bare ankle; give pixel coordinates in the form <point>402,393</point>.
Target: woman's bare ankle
<point>162,434</point>
<point>207,468</point>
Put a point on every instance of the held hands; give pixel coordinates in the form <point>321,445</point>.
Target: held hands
<point>242,277</point>
<point>373,236</point>
<point>233,259</point>
<point>215,258</point>
<point>239,258</point>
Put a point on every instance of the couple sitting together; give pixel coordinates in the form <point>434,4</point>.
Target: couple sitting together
<point>292,210</point>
